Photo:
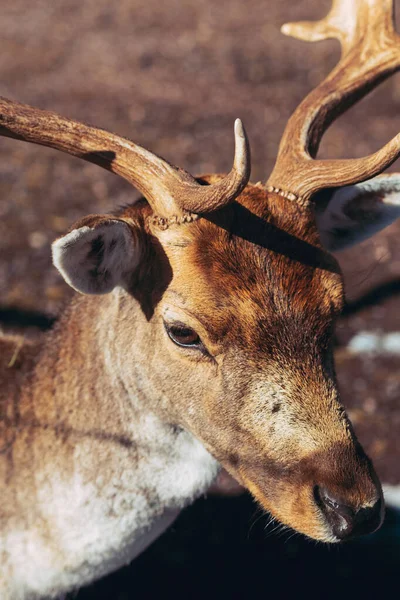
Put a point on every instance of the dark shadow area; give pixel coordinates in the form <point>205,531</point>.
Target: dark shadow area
<point>16,317</point>
<point>222,548</point>
<point>256,230</point>
<point>378,294</point>
<point>102,158</point>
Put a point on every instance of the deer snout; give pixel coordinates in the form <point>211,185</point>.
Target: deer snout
<point>347,520</point>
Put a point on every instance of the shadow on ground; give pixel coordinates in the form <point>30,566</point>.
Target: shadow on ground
<point>221,548</point>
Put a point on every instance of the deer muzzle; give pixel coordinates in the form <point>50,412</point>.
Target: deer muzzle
<point>346,520</point>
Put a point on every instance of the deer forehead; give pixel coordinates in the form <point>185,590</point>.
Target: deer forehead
<point>253,269</point>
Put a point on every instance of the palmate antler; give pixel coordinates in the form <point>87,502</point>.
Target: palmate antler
<point>370,54</point>
<point>168,189</point>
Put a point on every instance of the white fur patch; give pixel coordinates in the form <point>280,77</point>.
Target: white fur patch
<point>92,527</point>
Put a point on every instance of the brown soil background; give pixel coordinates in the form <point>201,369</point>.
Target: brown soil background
<point>173,76</point>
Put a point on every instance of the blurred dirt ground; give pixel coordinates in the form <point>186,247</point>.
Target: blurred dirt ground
<point>173,76</point>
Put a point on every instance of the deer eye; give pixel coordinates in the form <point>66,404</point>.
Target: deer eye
<point>182,335</point>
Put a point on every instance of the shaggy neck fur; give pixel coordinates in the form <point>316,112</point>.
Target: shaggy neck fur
<point>95,473</point>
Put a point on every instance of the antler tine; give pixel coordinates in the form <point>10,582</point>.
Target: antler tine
<point>370,53</point>
<point>222,193</point>
<point>344,22</point>
<point>168,189</point>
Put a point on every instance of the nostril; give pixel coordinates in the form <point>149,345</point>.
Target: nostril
<point>344,511</point>
<point>369,519</point>
<point>339,516</point>
<point>344,520</point>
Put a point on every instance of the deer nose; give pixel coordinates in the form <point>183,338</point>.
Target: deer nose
<point>345,521</point>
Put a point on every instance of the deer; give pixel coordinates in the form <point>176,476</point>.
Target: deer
<point>201,338</point>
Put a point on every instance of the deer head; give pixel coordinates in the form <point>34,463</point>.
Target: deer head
<point>236,289</point>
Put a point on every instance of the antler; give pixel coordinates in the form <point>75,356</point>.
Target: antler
<point>168,189</point>
<point>370,54</point>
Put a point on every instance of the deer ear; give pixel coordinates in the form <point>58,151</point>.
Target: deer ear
<point>97,255</point>
<point>357,212</point>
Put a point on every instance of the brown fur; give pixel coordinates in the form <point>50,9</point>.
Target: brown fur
<point>257,276</point>
<point>254,282</point>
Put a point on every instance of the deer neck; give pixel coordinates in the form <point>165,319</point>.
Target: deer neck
<point>80,387</point>
<point>104,470</point>
<point>76,385</point>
